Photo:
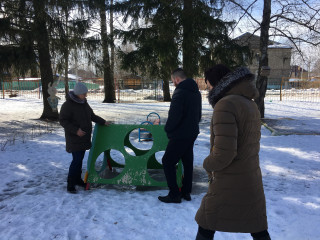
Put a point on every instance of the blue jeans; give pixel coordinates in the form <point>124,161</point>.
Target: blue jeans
<point>76,165</point>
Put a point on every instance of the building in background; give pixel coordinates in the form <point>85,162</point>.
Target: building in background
<point>279,57</point>
<point>298,72</point>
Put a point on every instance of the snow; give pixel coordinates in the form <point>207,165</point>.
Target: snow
<point>34,203</point>
<point>29,79</point>
<point>279,46</point>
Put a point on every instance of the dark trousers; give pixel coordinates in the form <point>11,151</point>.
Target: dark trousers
<point>205,234</point>
<point>176,150</point>
<point>76,165</point>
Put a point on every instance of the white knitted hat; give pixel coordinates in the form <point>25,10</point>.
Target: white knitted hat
<point>80,88</point>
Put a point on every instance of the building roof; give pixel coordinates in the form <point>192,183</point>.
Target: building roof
<point>253,41</point>
<point>279,46</point>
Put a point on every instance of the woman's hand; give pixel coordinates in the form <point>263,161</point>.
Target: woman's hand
<point>81,133</point>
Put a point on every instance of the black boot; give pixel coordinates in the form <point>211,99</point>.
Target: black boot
<point>71,186</point>
<point>169,199</point>
<point>264,235</point>
<point>186,196</point>
<point>81,183</point>
<point>262,238</point>
<point>204,234</point>
<point>201,237</point>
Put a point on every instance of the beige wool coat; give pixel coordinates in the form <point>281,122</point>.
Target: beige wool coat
<point>235,201</point>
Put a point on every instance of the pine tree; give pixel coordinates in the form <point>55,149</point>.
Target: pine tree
<point>99,9</point>
<point>166,32</point>
<point>155,38</point>
<point>206,38</point>
<point>69,33</point>
<point>16,48</point>
<point>108,77</point>
<point>42,38</point>
<point>33,30</point>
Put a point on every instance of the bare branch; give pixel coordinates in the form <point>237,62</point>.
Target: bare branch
<point>289,20</point>
<point>293,39</point>
<point>246,10</point>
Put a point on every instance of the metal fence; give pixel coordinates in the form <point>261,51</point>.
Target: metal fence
<point>132,90</point>
<point>129,90</point>
<point>287,89</point>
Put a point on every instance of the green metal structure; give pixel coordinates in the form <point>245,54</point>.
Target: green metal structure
<point>135,169</point>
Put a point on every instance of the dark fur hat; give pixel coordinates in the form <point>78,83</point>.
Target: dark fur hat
<point>224,84</point>
<point>216,73</point>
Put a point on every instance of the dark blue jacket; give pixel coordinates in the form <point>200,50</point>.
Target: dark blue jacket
<point>185,111</point>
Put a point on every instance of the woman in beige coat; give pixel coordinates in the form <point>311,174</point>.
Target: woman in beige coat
<point>235,201</point>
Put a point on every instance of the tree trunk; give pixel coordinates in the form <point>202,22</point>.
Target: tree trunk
<point>44,57</point>
<point>66,58</point>
<point>111,44</point>
<point>165,75</point>
<point>109,94</point>
<point>166,90</point>
<point>262,81</point>
<point>66,80</point>
<point>188,50</point>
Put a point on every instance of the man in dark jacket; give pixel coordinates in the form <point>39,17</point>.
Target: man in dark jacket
<point>76,118</point>
<point>182,129</point>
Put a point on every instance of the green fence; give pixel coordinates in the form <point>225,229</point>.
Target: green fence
<point>20,85</point>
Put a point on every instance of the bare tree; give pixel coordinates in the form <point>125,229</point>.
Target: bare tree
<point>308,58</point>
<point>297,21</point>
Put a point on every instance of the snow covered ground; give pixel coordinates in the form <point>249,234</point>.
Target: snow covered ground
<point>34,203</point>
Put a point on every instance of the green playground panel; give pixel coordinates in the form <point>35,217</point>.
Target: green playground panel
<point>135,169</point>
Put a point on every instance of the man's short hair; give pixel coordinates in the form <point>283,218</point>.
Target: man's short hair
<point>179,73</point>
